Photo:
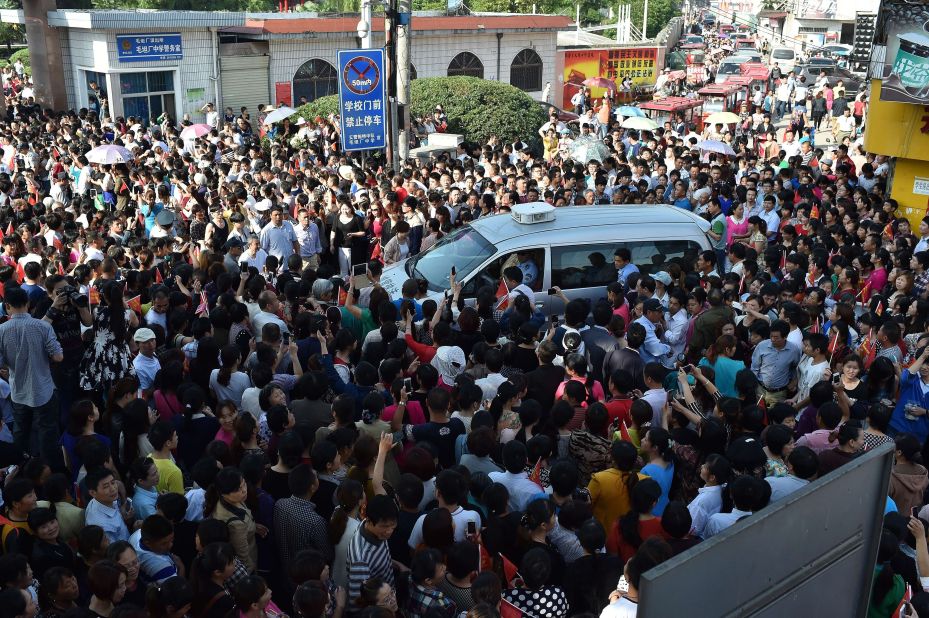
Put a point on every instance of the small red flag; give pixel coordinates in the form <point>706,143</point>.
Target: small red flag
<point>94,295</point>
<point>204,306</point>
<point>61,268</point>
<point>509,571</point>
<point>135,303</point>
<point>624,432</point>
<point>158,278</point>
<point>9,229</point>
<point>503,296</point>
<point>814,212</point>
<point>536,476</point>
<point>889,230</point>
<point>783,260</point>
<point>56,242</point>
<point>834,342</point>
<point>879,310</point>
<point>20,273</point>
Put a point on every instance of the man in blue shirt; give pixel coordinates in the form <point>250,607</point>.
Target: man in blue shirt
<point>774,362</point>
<point>653,350</point>
<point>622,260</point>
<point>104,509</point>
<point>153,545</point>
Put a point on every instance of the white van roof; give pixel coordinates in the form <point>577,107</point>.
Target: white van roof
<point>502,227</point>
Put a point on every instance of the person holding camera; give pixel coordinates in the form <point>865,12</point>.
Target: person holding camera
<point>66,309</point>
<point>27,346</point>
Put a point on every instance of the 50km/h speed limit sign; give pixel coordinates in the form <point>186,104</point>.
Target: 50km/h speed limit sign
<point>362,99</point>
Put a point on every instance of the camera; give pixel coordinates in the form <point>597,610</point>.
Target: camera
<point>76,298</point>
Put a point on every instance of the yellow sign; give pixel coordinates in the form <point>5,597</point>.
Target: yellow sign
<point>896,129</point>
<point>908,188</point>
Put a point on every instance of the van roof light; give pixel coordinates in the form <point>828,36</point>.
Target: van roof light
<point>536,212</point>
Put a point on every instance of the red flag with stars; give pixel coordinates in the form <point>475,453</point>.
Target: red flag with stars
<point>135,303</point>
<point>814,212</point>
<point>503,296</point>
<point>509,571</point>
<point>20,273</point>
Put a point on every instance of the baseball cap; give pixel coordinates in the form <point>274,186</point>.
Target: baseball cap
<point>662,276</point>
<point>144,334</point>
<point>652,304</point>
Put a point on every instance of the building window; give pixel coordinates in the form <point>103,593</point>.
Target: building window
<point>412,72</point>
<point>147,95</point>
<point>314,79</point>
<point>466,64</point>
<point>526,71</point>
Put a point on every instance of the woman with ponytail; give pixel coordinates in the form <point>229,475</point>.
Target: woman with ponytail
<point>225,501</point>
<point>506,420</point>
<point>196,426</point>
<point>909,478</point>
<point>539,521</point>
<point>610,490</point>
<point>576,368</point>
<point>209,572</point>
<point>658,448</point>
<point>346,518</point>
<point>629,531</point>
<point>228,382</point>
<point>719,358</point>
<point>171,598</point>
<point>887,587</point>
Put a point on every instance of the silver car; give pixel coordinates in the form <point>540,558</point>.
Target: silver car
<point>573,251</point>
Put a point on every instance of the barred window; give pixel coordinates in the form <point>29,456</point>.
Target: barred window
<point>526,71</point>
<point>466,64</point>
<point>314,79</point>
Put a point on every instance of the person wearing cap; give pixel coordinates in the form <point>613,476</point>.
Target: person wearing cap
<point>146,364</point>
<point>233,248</point>
<point>653,350</point>
<point>164,225</point>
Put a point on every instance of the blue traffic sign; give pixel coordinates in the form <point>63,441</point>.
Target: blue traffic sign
<point>148,47</point>
<point>362,99</point>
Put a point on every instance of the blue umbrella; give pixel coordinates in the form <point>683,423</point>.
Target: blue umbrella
<point>630,110</point>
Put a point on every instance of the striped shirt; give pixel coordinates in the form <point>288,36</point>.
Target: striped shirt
<point>25,346</point>
<point>368,557</point>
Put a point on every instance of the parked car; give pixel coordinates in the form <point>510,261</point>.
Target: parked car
<point>785,57</point>
<point>572,248</point>
<point>563,115</point>
<point>729,67</point>
<point>853,83</point>
<point>694,39</point>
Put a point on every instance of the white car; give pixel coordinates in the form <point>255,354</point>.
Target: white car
<point>785,57</point>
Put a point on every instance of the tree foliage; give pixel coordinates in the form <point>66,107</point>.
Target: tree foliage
<point>476,108</point>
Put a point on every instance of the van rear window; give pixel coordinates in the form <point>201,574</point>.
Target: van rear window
<point>589,266</point>
<point>782,54</point>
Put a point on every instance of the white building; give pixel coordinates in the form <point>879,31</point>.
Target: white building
<point>150,62</point>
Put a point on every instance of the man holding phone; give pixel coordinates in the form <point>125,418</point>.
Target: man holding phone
<point>450,491</point>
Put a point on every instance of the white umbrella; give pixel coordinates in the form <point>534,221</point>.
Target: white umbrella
<point>712,145</point>
<point>108,154</point>
<point>279,114</point>
<point>588,148</point>
<point>195,130</point>
<point>162,144</point>
<point>640,124</point>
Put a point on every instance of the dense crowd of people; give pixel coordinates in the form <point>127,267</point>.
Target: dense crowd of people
<point>211,406</point>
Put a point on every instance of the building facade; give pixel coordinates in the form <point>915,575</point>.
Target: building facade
<point>146,63</point>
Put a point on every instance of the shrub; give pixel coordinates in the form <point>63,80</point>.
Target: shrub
<point>476,108</point>
<point>21,54</point>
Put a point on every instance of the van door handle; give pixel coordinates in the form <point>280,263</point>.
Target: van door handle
<point>540,306</point>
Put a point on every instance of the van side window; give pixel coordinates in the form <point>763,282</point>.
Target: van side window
<point>531,262</point>
<point>588,266</point>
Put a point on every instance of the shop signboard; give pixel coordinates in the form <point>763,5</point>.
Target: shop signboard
<point>149,47</point>
<point>362,99</point>
<point>902,30</point>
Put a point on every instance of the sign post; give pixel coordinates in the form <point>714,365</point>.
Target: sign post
<point>362,99</point>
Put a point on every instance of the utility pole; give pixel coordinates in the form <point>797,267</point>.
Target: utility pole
<point>390,68</point>
<point>367,13</point>
<point>404,32</point>
<point>644,20</point>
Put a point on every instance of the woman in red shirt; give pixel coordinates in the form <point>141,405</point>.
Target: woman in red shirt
<point>630,530</point>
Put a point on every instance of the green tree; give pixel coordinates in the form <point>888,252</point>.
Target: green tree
<point>660,13</point>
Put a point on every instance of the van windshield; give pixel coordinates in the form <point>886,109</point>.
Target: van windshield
<point>782,54</point>
<point>465,249</point>
<point>730,68</point>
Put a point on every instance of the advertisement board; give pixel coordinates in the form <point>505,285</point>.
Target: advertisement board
<point>902,29</point>
<point>639,64</point>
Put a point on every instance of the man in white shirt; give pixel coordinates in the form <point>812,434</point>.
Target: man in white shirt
<point>146,364</point>
<point>802,465</point>
<point>450,491</point>
<point>515,479</point>
<point>212,116</point>
<point>709,501</point>
<point>268,307</point>
<point>493,360</point>
<point>676,321</point>
<point>746,493</point>
<point>812,369</point>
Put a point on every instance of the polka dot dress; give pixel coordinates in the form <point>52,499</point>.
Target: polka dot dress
<point>546,602</point>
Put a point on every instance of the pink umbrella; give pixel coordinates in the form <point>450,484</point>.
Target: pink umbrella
<point>195,130</point>
<point>600,82</point>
